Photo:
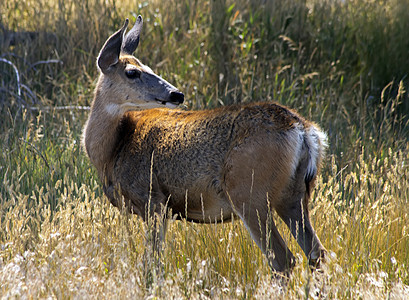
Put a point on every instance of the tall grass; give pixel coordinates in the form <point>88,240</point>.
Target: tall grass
<point>342,64</point>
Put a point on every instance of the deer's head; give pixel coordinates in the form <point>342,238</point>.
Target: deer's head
<point>127,84</point>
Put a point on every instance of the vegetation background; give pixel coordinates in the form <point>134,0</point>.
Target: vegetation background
<point>343,64</point>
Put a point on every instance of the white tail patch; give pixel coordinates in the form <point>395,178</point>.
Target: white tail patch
<point>296,138</point>
<point>317,142</point>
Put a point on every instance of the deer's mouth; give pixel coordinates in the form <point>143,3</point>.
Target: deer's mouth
<point>175,98</point>
<point>167,103</point>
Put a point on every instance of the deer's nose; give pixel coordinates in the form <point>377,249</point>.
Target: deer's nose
<point>176,97</point>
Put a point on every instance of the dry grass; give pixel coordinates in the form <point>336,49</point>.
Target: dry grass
<point>59,236</point>
<point>87,248</point>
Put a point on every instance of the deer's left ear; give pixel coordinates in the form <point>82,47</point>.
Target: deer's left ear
<point>131,40</point>
<point>111,50</point>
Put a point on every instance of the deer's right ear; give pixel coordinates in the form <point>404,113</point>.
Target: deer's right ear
<point>131,40</point>
<point>109,54</point>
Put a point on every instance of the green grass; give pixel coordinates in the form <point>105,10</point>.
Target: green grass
<point>342,64</point>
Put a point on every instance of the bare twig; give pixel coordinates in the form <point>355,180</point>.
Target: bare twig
<point>12,54</point>
<point>30,93</point>
<point>17,74</point>
<point>50,61</point>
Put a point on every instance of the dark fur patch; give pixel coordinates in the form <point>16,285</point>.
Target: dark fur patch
<point>124,133</point>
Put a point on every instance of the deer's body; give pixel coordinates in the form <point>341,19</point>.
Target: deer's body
<point>206,166</point>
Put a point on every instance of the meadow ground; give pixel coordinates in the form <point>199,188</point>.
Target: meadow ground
<point>342,64</point>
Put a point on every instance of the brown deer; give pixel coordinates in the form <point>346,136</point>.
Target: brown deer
<point>206,166</point>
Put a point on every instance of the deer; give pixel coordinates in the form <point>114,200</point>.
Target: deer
<point>242,161</point>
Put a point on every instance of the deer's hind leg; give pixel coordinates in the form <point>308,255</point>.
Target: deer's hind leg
<point>293,209</point>
<point>259,222</point>
<point>254,182</point>
<point>296,217</point>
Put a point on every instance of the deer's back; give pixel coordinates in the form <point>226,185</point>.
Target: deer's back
<point>182,154</point>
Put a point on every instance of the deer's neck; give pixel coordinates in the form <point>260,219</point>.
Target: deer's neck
<point>100,135</point>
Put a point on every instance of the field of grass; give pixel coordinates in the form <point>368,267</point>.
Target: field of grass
<point>342,64</point>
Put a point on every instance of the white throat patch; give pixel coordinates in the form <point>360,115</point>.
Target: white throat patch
<point>112,109</point>
<point>115,110</point>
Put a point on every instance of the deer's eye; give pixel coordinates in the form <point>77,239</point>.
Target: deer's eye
<point>133,73</point>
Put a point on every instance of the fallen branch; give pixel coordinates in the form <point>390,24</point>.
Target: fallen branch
<point>69,107</point>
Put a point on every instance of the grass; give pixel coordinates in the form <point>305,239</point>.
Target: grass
<point>342,64</point>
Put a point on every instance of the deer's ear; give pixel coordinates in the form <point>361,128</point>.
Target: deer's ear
<point>131,40</point>
<point>109,54</point>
